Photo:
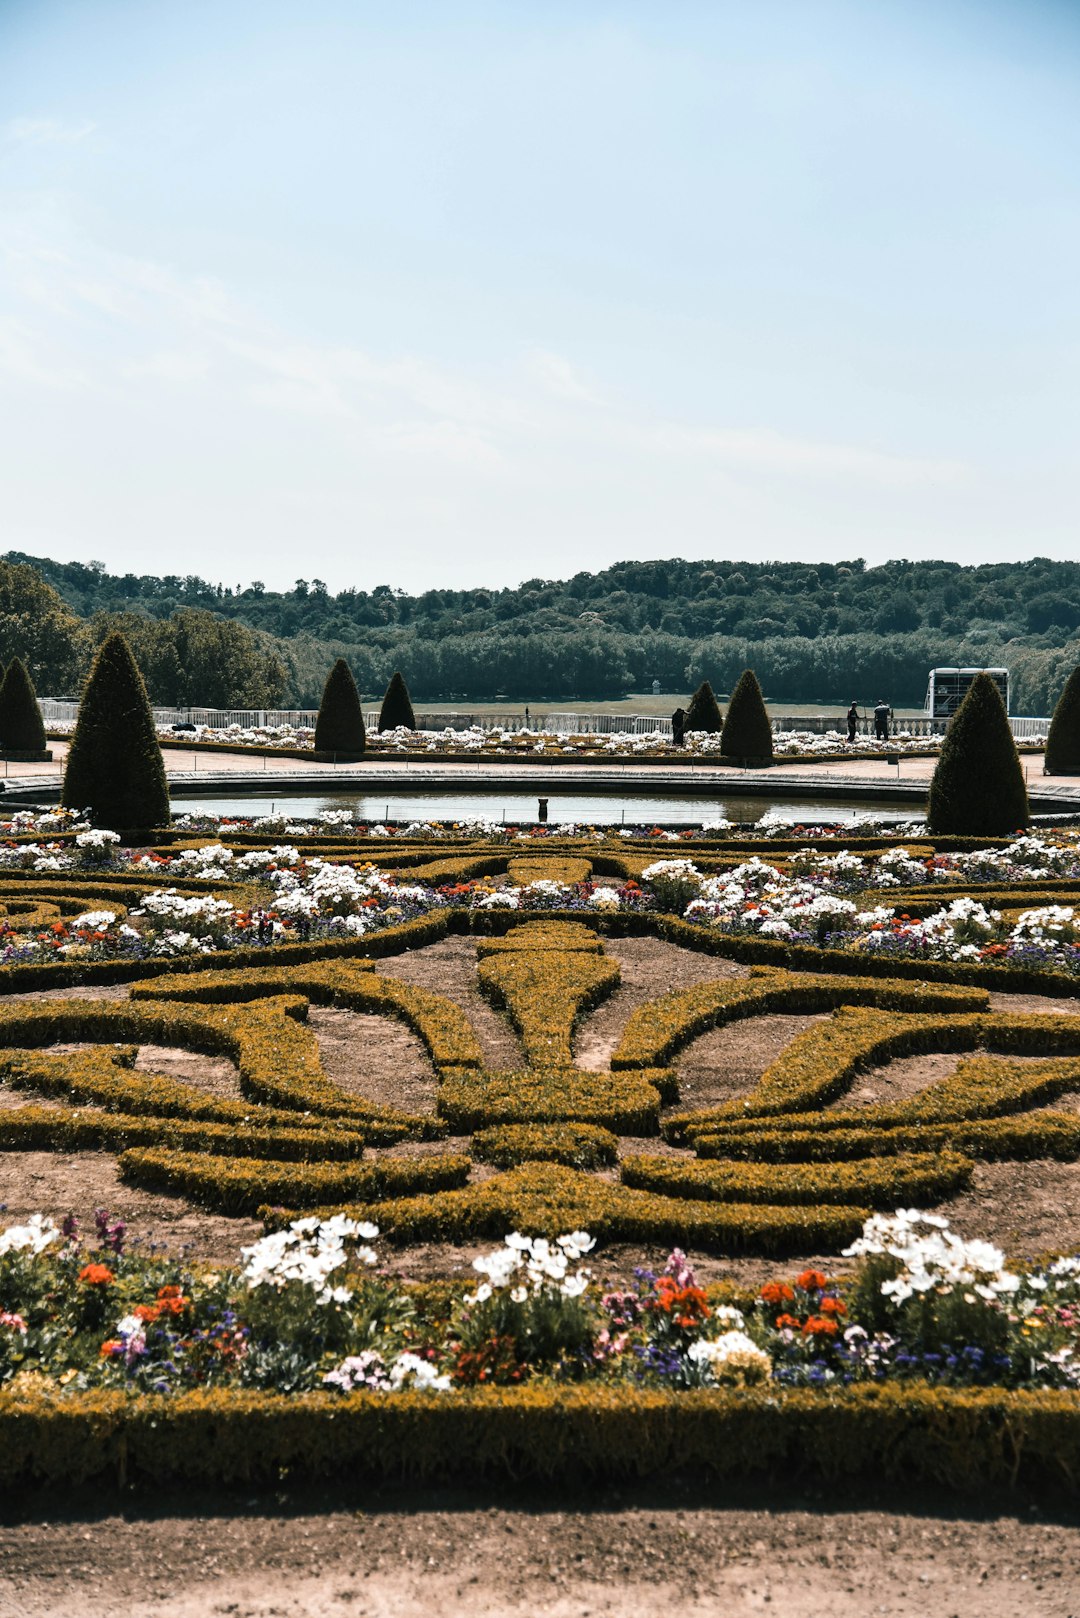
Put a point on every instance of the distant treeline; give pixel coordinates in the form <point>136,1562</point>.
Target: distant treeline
<point>812,632</point>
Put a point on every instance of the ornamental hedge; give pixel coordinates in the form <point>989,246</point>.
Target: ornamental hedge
<point>339,727</point>
<point>114,765</point>
<point>978,785</point>
<point>21,727</point>
<point>747,729</point>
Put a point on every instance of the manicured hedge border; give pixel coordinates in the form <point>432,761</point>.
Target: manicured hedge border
<point>966,1440</point>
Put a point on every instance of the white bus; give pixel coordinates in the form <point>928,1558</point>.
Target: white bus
<point>948,688</point>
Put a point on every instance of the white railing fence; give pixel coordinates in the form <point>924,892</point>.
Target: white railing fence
<point>558,723</point>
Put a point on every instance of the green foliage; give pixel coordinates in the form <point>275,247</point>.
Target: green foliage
<point>340,725</point>
<point>38,626</point>
<point>397,707</point>
<point>747,730</point>
<point>962,1439</point>
<point>579,1146</point>
<point>703,712</point>
<point>115,768</point>
<point>978,785</point>
<point>21,729</point>
<point>195,658</point>
<point>1063,741</point>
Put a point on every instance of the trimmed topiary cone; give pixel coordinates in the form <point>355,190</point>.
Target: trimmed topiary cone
<point>1063,739</point>
<point>396,707</point>
<point>340,725</point>
<point>747,729</point>
<point>21,729</point>
<point>978,787</point>
<point>703,712</point>
<point>115,768</point>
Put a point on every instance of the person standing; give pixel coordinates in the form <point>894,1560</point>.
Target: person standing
<point>852,721</point>
<point>882,714</point>
<point>678,727</point>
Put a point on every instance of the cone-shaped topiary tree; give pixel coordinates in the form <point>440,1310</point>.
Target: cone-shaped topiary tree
<point>21,729</point>
<point>703,713</point>
<point>340,725</point>
<point>396,707</point>
<point>1063,740</point>
<point>978,787</point>
<point>747,728</point>
<point>115,768</point>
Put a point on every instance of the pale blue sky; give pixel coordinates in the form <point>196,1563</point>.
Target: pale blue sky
<point>458,294</point>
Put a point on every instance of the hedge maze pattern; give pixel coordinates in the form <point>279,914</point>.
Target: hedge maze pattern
<point>552,1146</point>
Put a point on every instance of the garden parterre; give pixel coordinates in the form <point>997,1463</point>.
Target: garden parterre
<point>544,1151</point>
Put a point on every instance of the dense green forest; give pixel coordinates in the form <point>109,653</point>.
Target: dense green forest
<point>812,631</point>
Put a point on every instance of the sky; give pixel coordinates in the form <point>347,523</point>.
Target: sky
<point>455,294</point>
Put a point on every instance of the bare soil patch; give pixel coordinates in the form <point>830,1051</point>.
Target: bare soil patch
<point>727,1062</point>
<point>1040,1003</point>
<point>449,968</point>
<point>649,968</point>
<point>574,1554</point>
<point>373,1057</point>
<point>59,1183</point>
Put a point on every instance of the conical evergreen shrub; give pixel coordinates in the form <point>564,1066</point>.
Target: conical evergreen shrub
<point>703,712</point>
<point>340,725</point>
<point>1063,740</point>
<point>747,728</point>
<point>21,729</point>
<point>115,768</point>
<point>978,788</point>
<point>396,707</point>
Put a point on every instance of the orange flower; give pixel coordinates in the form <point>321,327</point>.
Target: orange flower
<point>832,1306</point>
<point>820,1326</point>
<point>111,1346</point>
<point>810,1281</point>
<point>788,1323</point>
<point>777,1292</point>
<point>96,1275</point>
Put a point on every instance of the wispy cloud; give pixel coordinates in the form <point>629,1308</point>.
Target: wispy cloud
<point>46,132</point>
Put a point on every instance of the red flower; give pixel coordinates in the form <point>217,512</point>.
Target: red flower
<point>820,1326</point>
<point>832,1306</point>
<point>96,1275</point>
<point>811,1281</point>
<point>777,1292</point>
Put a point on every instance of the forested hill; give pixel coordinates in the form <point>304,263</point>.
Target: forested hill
<point>813,631</point>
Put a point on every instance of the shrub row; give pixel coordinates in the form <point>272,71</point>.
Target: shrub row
<point>543,936</point>
<point>441,1025</point>
<point>1045,1134</point>
<point>54,1129</point>
<point>655,1032</point>
<point>545,995</point>
<point>242,1186</point>
<point>276,1053</point>
<point>388,941</point>
<point>524,870</point>
<point>579,1146</point>
<point>967,1440</point>
<point>103,1078</point>
<point>627,1104</point>
<point>909,1178</point>
<point>820,1062</point>
<point>547,1199</point>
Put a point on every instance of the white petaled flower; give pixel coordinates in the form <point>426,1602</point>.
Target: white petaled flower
<point>732,1357</point>
<point>38,1234</point>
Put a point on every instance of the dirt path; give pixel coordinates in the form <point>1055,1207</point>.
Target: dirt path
<point>674,1546</point>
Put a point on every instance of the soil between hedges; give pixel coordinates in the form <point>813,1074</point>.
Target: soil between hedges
<point>618,1552</point>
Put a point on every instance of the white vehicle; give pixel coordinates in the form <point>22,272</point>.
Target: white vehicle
<point>948,688</point>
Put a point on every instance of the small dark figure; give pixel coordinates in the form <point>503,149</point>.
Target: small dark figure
<point>852,721</point>
<point>526,716</point>
<point>678,727</point>
<point>882,714</point>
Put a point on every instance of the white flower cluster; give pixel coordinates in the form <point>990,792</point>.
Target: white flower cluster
<point>34,1237</point>
<point>309,1253</point>
<point>370,1371</point>
<point>933,1258</point>
<point>731,1357</point>
<point>529,1265</point>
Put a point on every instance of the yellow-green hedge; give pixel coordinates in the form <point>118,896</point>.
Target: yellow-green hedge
<point>909,1178</point>
<point>627,1103</point>
<point>1042,1134</point>
<point>544,996</point>
<point>579,1146</point>
<point>967,1440</point>
<point>546,1199</point>
<point>354,985</point>
<point>242,1187</point>
<point>654,1033</point>
<point>53,1129</point>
